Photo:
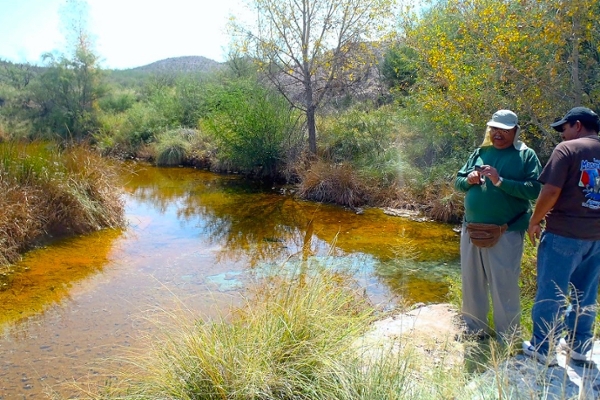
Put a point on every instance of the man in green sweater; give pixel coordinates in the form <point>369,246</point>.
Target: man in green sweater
<point>500,181</point>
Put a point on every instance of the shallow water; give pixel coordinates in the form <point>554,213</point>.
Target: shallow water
<point>194,240</point>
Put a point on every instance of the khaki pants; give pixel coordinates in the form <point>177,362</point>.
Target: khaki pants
<point>491,272</point>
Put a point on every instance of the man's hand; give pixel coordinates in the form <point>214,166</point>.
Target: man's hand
<point>491,173</point>
<point>534,231</point>
<point>474,178</point>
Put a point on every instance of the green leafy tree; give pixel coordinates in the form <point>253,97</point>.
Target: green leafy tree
<point>68,91</point>
<point>310,47</point>
<point>67,95</point>
<point>17,76</point>
<point>16,81</point>
<point>400,68</point>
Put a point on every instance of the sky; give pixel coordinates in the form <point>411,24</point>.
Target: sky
<point>125,33</point>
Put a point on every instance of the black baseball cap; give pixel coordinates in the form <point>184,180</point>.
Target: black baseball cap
<point>582,114</point>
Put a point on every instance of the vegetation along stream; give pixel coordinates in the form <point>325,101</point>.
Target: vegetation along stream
<point>194,239</point>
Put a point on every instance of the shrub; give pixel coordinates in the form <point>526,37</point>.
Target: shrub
<point>359,159</point>
<point>332,183</point>
<point>117,101</point>
<point>172,147</point>
<point>253,127</point>
<point>126,134</point>
<point>432,189</point>
<point>362,137</point>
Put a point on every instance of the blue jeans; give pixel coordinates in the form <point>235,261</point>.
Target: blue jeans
<point>567,288</point>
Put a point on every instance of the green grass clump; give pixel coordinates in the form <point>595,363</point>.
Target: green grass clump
<point>296,337</point>
<point>310,336</point>
<point>172,147</point>
<point>290,340</point>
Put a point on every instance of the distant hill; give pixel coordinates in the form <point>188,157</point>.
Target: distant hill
<point>181,64</point>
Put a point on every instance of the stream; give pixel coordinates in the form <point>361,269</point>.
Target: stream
<point>194,240</point>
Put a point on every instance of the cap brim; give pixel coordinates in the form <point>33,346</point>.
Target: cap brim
<point>558,123</point>
<point>499,125</point>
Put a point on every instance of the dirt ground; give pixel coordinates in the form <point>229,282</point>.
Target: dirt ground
<point>434,331</point>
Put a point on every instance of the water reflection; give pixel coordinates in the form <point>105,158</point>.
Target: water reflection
<point>247,221</point>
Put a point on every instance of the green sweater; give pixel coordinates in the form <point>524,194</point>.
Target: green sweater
<point>489,204</point>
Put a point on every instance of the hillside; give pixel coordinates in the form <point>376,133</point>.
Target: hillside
<point>181,64</point>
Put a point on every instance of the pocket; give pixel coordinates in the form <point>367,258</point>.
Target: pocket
<point>562,245</point>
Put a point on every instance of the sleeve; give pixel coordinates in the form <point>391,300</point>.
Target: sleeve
<point>528,188</point>
<point>460,183</point>
<point>556,170</point>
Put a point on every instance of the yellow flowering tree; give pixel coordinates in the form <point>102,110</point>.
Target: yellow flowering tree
<point>536,57</point>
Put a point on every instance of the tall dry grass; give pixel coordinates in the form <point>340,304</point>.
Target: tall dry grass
<point>333,183</point>
<point>49,191</point>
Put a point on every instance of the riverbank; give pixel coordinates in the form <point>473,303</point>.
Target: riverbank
<point>434,332</point>
<point>50,191</point>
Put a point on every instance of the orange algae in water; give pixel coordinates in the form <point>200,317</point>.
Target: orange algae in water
<point>46,275</point>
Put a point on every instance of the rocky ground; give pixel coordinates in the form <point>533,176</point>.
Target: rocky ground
<point>434,330</point>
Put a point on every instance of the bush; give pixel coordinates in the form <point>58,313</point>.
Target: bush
<point>172,147</point>
<point>359,159</point>
<point>332,183</point>
<point>117,101</point>
<point>432,188</point>
<point>362,137</point>
<point>253,127</point>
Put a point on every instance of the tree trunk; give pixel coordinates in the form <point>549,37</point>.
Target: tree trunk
<point>312,129</point>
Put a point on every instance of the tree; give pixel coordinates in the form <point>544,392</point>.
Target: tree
<point>307,47</point>
<point>399,68</point>
<point>538,58</point>
<point>17,76</point>
<point>68,91</point>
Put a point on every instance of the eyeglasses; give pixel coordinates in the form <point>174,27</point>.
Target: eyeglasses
<point>560,129</point>
<point>502,131</point>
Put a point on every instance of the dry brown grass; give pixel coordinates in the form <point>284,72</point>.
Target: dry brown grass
<point>438,201</point>
<point>91,201</point>
<point>445,204</point>
<point>332,183</point>
<point>341,184</point>
<point>44,191</point>
<point>21,220</point>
